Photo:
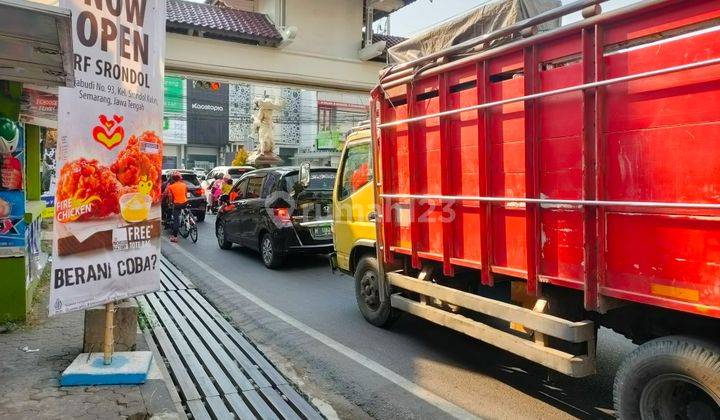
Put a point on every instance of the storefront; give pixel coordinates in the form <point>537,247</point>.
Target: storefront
<point>36,56</point>
<point>207,121</point>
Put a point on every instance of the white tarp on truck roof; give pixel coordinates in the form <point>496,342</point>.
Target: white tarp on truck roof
<point>487,18</point>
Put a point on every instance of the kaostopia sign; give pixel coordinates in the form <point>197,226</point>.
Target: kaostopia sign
<point>109,155</point>
<point>208,113</point>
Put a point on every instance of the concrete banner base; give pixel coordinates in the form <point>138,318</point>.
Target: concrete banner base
<point>126,368</point>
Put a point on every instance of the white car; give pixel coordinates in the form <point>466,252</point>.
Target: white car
<point>200,172</point>
<point>235,172</point>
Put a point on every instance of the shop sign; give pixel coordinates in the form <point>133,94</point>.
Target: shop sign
<point>39,107</point>
<point>175,119</point>
<point>208,113</point>
<point>328,140</point>
<point>107,204</point>
<point>343,105</point>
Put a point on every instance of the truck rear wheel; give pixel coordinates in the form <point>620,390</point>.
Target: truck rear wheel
<point>670,378</point>
<point>367,293</point>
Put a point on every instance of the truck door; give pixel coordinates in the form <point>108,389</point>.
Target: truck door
<point>354,203</point>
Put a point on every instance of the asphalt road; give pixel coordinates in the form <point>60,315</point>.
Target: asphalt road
<point>444,365</point>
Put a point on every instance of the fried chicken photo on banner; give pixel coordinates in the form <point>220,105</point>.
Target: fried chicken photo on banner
<point>86,190</point>
<point>141,157</point>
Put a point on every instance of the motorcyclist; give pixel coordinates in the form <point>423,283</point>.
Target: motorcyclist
<point>216,188</point>
<point>176,191</point>
<point>227,184</point>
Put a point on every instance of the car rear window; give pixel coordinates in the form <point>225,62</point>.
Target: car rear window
<point>191,180</point>
<point>319,181</point>
<point>236,172</point>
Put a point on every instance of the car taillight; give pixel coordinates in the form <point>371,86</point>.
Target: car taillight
<point>199,192</point>
<point>282,215</point>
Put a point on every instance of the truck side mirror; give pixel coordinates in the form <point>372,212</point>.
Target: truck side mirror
<point>304,176</point>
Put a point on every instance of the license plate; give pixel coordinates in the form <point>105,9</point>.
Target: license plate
<point>321,232</point>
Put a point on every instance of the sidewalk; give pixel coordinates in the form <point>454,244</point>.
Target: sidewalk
<point>32,359</point>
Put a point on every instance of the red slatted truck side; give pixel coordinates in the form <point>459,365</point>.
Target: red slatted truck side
<point>575,173</point>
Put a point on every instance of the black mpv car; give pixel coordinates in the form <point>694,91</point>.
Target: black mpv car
<point>197,203</point>
<point>271,211</point>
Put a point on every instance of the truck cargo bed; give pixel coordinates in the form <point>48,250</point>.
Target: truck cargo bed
<point>586,158</point>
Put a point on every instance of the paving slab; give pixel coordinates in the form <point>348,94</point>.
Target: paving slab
<point>32,359</point>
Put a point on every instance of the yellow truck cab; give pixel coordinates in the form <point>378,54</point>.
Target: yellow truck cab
<point>354,226</point>
<point>354,202</point>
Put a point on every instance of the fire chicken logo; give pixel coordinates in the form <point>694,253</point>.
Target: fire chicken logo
<point>109,133</point>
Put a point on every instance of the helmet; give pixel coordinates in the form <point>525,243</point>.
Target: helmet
<point>226,177</point>
<point>176,176</point>
<point>218,175</point>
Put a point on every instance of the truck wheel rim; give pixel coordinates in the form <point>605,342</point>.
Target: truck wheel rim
<point>675,396</point>
<point>369,291</point>
<point>267,250</point>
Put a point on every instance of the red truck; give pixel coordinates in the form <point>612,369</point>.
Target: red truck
<point>531,192</point>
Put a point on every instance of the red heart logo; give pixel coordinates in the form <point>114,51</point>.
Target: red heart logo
<point>109,133</point>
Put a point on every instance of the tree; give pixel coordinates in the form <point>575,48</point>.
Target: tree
<point>240,157</point>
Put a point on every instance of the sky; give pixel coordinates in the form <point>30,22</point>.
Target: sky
<point>424,14</point>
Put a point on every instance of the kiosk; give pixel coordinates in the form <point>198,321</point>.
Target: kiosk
<point>35,55</point>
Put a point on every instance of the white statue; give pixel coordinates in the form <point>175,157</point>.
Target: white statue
<point>263,124</point>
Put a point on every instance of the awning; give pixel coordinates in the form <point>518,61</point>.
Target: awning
<point>35,44</point>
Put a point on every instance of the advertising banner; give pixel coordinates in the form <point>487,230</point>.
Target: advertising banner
<point>175,120</point>
<point>12,195</point>
<point>34,258</point>
<point>109,155</point>
<point>12,224</point>
<point>12,155</point>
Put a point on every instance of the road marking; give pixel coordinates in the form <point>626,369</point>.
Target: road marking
<point>362,360</point>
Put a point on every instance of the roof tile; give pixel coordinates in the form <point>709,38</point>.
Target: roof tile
<point>222,20</point>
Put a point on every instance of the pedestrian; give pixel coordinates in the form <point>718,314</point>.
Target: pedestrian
<point>176,191</point>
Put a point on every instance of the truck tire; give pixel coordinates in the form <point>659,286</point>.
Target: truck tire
<point>671,377</point>
<point>368,295</point>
